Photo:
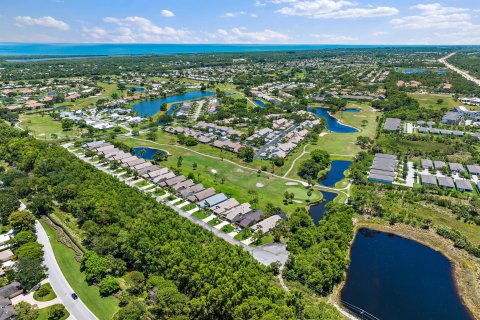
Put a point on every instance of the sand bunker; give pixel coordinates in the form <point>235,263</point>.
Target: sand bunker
<point>259,185</point>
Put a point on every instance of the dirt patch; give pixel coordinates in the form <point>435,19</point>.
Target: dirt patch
<point>239,170</point>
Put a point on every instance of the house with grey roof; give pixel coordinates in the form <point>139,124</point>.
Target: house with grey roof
<point>267,225</point>
<point>446,182</point>
<point>191,190</point>
<point>456,167</point>
<point>250,219</point>
<point>392,124</point>
<point>473,169</point>
<point>236,212</point>
<point>199,196</point>
<point>426,163</point>
<point>224,206</point>
<point>463,185</point>
<point>428,179</point>
<point>452,118</point>
<point>182,185</point>
<point>383,168</point>
<point>439,165</point>
<point>212,201</point>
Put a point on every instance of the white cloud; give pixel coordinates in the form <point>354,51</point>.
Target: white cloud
<point>167,13</point>
<point>46,21</point>
<point>332,9</point>
<point>241,35</point>
<point>436,16</point>
<point>259,3</point>
<point>238,13</point>
<point>135,30</point>
<point>333,38</point>
<point>379,33</point>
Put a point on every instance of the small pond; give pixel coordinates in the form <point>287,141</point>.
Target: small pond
<point>318,210</point>
<point>148,154</point>
<point>336,173</point>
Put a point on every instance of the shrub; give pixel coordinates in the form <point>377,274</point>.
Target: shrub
<point>108,286</point>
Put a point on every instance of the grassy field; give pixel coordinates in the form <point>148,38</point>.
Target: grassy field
<point>431,100</point>
<point>240,183</point>
<point>42,127</point>
<point>103,307</point>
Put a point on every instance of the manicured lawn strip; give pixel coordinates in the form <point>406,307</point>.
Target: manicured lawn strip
<point>189,207</point>
<point>159,192</point>
<point>50,296</point>
<point>103,307</point>
<point>242,235</point>
<point>214,221</point>
<point>142,183</point>
<point>228,228</point>
<point>43,314</point>
<point>171,198</point>
<point>264,240</point>
<point>201,214</point>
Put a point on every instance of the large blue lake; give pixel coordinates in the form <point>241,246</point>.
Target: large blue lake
<point>332,123</point>
<point>336,173</point>
<point>151,107</point>
<point>396,278</point>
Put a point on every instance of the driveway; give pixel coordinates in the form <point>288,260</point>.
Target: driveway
<point>76,308</point>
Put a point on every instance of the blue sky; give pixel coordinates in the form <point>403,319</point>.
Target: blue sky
<point>241,21</point>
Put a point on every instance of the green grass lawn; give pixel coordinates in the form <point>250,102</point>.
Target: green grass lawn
<point>160,192</point>
<point>103,307</point>
<point>171,197</point>
<point>228,228</point>
<point>142,183</point>
<point>201,214</point>
<point>215,221</point>
<point>189,207</point>
<point>43,314</point>
<point>242,235</point>
<point>264,240</point>
<point>300,193</point>
<point>50,296</point>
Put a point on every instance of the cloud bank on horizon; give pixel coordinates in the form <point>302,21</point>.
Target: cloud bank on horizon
<point>248,21</point>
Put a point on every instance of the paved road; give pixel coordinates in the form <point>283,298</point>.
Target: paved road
<point>461,72</point>
<point>275,140</point>
<point>59,284</point>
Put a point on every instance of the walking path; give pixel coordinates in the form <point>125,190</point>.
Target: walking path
<point>461,72</point>
<point>295,160</point>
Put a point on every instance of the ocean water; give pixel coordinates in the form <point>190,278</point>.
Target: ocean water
<point>81,50</point>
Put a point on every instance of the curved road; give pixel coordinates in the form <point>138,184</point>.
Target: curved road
<point>59,284</point>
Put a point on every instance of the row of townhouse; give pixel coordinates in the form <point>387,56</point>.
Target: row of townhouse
<point>206,198</point>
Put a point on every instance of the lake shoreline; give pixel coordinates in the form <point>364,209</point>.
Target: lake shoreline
<point>465,269</point>
<point>337,119</point>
